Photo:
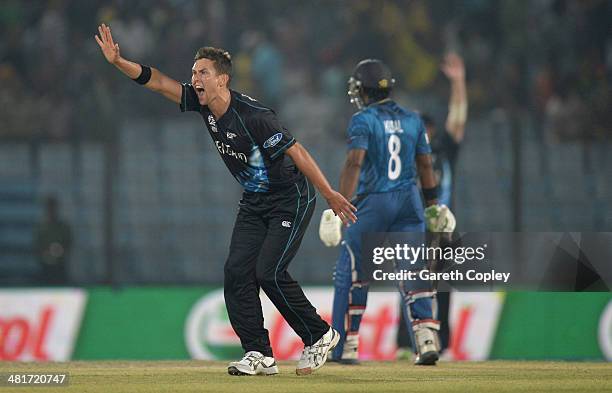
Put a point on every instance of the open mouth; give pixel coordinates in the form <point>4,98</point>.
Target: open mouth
<point>199,90</point>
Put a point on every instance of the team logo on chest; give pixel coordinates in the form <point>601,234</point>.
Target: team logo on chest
<point>230,135</point>
<point>212,123</point>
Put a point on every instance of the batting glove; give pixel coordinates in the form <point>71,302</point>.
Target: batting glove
<point>330,229</point>
<point>439,218</point>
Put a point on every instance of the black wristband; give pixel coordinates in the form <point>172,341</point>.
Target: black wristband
<point>145,75</point>
<point>430,193</point>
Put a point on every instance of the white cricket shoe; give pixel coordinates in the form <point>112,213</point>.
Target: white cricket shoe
<point>253,363</point>
<point>314,356</point>
<point>428,346</point>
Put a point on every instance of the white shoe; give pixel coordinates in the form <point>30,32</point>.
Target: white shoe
<point>253,363</point>
<point>428,346</point>
<point>314,356</point>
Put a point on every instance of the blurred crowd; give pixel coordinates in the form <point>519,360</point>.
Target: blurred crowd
<point>549,58</point>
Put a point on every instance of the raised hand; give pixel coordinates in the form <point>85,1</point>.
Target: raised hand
<point>107,45</point>
<point>453,67</point>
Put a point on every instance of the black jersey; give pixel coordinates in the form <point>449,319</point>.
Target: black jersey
<point>250,140</point>
<point>444,152</point>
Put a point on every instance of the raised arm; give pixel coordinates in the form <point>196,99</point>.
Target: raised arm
<point>454,70</point>
<point>158,82</point>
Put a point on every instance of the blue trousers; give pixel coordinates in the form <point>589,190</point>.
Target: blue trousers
<point>397,211</point>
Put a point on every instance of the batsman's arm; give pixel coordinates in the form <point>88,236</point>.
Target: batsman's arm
<point>307,165</point>
<point>158,82</point>
<point>349,177</point>
<point>426,175</point>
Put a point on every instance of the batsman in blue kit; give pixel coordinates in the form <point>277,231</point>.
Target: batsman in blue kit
<point>385,141</point>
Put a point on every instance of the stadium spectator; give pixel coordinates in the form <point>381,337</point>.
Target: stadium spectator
<point>53,241</point>
<point>56,27</point>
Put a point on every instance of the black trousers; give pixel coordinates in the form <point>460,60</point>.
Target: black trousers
<point>267,234</point>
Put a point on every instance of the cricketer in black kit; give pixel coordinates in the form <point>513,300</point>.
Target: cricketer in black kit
<point>279,179</point>
<point>274,213</point>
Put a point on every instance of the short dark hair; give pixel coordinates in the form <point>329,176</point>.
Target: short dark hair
<point>220,57</point>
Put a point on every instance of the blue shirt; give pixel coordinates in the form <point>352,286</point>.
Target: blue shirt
<point>392,137</point>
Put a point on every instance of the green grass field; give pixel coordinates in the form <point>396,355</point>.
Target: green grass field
<point>401,376</point>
